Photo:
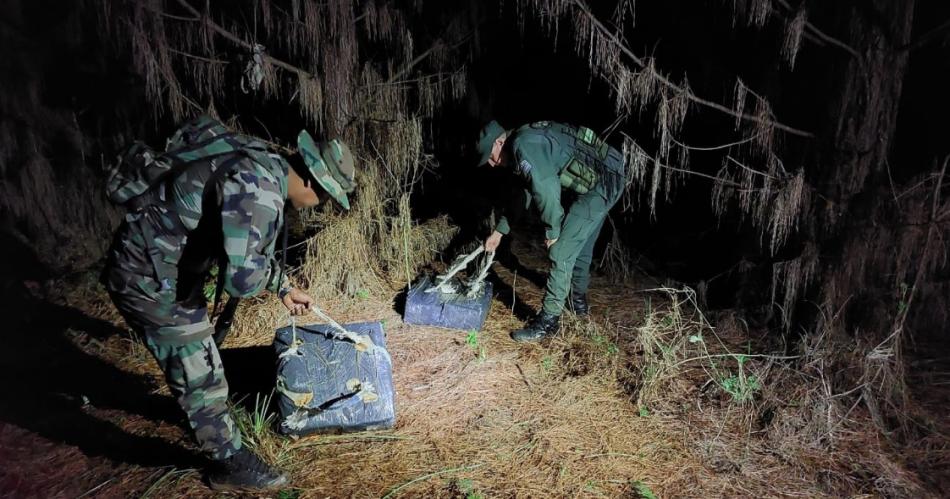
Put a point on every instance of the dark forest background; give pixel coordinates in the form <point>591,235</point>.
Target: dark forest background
<point>836,225</point>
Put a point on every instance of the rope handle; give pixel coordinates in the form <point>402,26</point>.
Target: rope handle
<point>460,263</point>
<point>475,284</point>
<point>362,343</point>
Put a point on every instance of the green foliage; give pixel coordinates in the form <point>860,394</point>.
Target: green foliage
<point>547,362</point>
<point>255,426</point>
<point>262,418</point>
<point>288,494</point>
<point>467,486</point>
<point>643,490</point>
<point>362,294</point>
<point>742,388</point>
<point>643,411</point>
<point>211,284</point>
<point>472,341</point>
<point>609,347</point>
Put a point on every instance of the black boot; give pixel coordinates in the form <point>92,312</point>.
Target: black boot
<point>542,326</point>
<point>245,471</point>
<point>579,305</point>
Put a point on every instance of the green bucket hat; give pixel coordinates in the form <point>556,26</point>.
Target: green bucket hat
<point>331,164</point>
<point>486,138</point>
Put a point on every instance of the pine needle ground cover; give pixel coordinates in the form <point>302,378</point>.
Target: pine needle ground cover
<point>649,398</point>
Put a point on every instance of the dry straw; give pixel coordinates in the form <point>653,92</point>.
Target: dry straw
<point>650,394</point>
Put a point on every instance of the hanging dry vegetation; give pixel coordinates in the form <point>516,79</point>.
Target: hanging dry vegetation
<point>845,260</point>
<point>655,396</point>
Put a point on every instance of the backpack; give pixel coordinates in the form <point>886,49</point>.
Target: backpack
<point>133,181</point>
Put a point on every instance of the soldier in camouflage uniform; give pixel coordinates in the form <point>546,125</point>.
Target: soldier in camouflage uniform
<point>551,157</point>
<point>220,196</point>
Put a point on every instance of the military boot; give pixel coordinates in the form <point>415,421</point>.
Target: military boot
<point>542,326</point>
<point>579,305</point>
<point>245,471</point>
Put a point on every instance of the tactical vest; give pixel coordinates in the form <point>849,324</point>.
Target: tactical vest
<point>587,165</point>
<point>139,177</point>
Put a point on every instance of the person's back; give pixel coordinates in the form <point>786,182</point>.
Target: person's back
<point>212,196</point>
<point>552,157</point>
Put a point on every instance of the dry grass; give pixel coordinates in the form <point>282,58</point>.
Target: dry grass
<point>630,399</point>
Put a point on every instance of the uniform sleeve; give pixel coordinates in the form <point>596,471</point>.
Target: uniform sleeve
<point>503,226</point>
<point>251,213</point>
<point>545,189</point>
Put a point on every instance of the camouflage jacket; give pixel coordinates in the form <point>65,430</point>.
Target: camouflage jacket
<point>169,245</point>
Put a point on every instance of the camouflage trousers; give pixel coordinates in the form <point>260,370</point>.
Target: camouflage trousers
<point>179,337</point>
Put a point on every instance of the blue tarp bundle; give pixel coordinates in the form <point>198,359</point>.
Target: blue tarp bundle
<point>328,384</point>
<point>448,310</point>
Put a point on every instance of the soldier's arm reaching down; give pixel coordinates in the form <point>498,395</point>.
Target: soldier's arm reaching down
<point>545,191</point>
<point>251,213</point>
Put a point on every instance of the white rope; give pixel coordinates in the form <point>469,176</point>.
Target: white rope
<point>476,285</point>
<point>294,344</point>
<point>340,330</point>
<point>460,263</point>
<point>363,343</point>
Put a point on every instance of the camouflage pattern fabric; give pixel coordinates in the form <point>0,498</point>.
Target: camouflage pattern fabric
<point>142,170</point>
<point>163,251</point>
<point>332,165</point>
<point>162,243</point>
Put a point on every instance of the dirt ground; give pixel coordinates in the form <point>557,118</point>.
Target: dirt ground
<point>84,413</point>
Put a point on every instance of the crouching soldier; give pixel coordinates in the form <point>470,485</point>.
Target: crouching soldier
<point>212,196</point>
<point>551,157</point>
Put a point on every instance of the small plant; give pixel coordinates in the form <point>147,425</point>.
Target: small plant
<point>643,412</point>
<point>742,388</point>
<point>362,294</point>
<point>472,341</point>
<point>467,487</point>
<point>255,425</point>
<point>211,284</point>
<point>262,418</point>
<point>288,494</point>
<point>643,490</point>
<point>602,341</point>
<point>547,362</point>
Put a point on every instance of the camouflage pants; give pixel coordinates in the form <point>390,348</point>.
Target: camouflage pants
<point>179,336</point>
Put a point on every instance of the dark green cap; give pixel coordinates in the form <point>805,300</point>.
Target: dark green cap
<point>486,138</point>
<point>331,164</point>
